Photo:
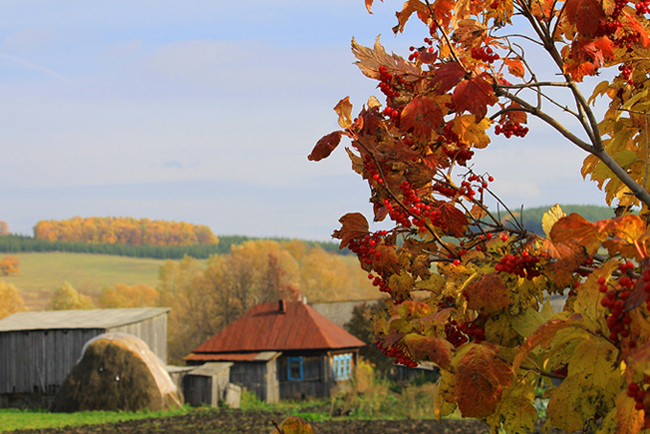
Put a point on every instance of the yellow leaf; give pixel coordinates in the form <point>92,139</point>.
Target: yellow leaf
<point>444,401</point>
<point>550,217</point>
<point>624,418</point>
<point>344,110</point>
<point>373,102</point>
<point>530,319</point>
<point>516,413</point>
<point>599,90</point>
<point>472,132</point>
<point>587,302</point>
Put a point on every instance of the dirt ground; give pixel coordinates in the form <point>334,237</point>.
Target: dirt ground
<point>235,422</point>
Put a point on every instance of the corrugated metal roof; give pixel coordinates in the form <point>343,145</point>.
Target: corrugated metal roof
<point>264,356</point>
<point>210,369</point>
<point>78,319</point>
<point>340,312</point>
<point>266,328</point>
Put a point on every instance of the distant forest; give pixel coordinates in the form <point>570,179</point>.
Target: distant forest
<point>20,243</point>
<point>532,217</point>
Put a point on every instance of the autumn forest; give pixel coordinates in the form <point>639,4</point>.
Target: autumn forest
<point>205,295</point>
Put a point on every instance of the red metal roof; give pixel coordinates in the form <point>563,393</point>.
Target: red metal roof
<point>266,328</point>
<point>239,357</point>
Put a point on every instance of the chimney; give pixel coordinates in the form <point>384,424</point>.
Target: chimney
<point>282,308</point>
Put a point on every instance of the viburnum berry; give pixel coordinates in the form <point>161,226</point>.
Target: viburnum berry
<point>509,129</point>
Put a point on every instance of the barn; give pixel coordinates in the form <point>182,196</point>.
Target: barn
<point>38,349</point>
<point>283,350</point>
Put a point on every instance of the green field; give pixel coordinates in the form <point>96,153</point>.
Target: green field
<point>43,273</point>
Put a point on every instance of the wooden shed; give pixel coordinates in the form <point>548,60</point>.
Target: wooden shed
<point>38,349</point>
<point>287,345</point>
<point>207,384</point>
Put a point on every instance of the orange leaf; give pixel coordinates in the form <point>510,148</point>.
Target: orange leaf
<point>635,26</point>
<point>585,15</point>
<point>353,226</point>
<point>481,377</point>
<point>325,146</point>
<point>575,228</point>
<point>565,260</point>
<point>409,7</point>
<point>369,5</point>
<point>474,96</point>
<point>447,76</point>
<point>515,67</point>
<point>488,294</point>
<point>429,348</point>
<point>344,110</point>
<point>422,114</point>
<point>293,425</point>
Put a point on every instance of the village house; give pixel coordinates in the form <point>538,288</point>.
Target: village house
<point>283,350</point>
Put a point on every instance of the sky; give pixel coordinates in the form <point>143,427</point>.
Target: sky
<point>205,112</point>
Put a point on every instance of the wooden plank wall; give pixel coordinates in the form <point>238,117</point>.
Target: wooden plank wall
<point>39,361</point>
<point>153,331</point>
<point>252,376</point>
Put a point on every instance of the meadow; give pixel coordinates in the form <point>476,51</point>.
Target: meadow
<point>42,273</point>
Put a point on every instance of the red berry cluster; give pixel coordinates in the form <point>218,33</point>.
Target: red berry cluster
<point>642,7</point>
<point>365,248</point>
<point>416,208</point>
<point>371,168</point>
<point>636,391</point>
<point>523,265</point>
<point>485,54</point>
<point>401,358</point>
<point>474,330</point>
<point>415,52</point>
<point>619,320</point>
<point>379,282</point>
<point>510,129</point>
<point>626,70</point>
<point>454,335</point>
<point>385,80</point>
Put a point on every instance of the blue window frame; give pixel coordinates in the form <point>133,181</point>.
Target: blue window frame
<point>295,370</point>
<point>342,367</point>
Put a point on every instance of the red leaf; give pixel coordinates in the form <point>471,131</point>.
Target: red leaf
<point>474,96</point>
<point>325,146</point>
<point>585,15</point>
<point>353,225</point>
<point>454,220</point>
<point>422,114</point>
<point>447,76</point>
<point>481,377</point>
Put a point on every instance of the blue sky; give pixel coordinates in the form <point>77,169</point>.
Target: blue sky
<point>205,111</point>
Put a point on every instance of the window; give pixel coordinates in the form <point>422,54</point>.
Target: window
<point>295,371</point>
<point>342,367</point>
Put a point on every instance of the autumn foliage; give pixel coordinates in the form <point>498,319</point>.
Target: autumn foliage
<point>485,318</point>
<point>9,265</point>
<point>122,230</point>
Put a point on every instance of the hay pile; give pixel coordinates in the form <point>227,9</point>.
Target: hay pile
<point>117,371</point>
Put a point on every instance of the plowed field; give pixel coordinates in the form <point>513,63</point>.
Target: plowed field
<point>235,422</point>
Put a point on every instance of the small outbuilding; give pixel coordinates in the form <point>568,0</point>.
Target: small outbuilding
<point>283,350</point>
<point>39,349</point>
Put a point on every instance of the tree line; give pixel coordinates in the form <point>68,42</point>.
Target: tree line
<point>124,230</point>
<point>206,296</point>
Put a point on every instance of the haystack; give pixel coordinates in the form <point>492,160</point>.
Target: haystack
<point>117,371</point>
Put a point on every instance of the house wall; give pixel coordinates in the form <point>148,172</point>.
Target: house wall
<point>315,381</point>
<point>203,389</point>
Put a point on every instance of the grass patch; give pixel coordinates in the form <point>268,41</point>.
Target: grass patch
<point>43,273</point>
<point>14,419</point>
